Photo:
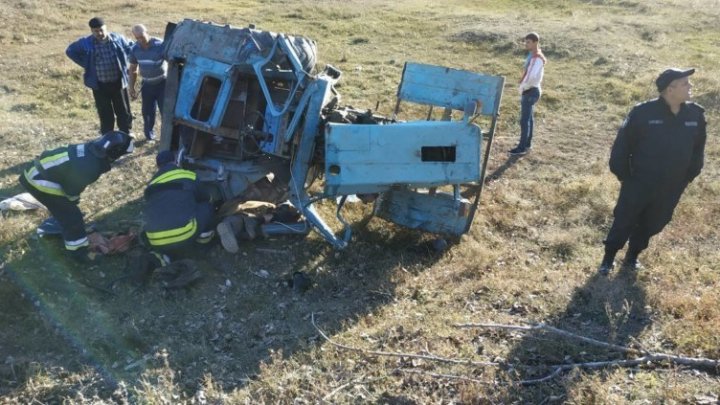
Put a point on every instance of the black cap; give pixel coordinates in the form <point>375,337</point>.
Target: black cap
<point>669,75</point>
<point>96,22</point>
<point>164,158</point>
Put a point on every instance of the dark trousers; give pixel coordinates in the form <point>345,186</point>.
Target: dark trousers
<point>641,212</point>
<point>527,104</point>
<point>65,211</point>
<point>152,95</point>
<point>204,215</point>
<point>112,100</point>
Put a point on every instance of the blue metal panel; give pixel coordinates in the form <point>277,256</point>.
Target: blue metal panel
<point>372,158</point>
<point>437,213</point>
<point>452,88</point>
<point>319,91</point>
<point>196,69</point>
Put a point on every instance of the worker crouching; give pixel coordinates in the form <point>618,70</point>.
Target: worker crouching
<point>178,213</point>
<point>57,177</point>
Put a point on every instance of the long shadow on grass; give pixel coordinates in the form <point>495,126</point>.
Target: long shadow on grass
<point>241,314</point>
<point>610,309</point>
<point>500,170</point>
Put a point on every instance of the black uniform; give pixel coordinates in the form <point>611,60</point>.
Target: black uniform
<point>655,155</point>
<point>57,177</point>
<point>177,213</point>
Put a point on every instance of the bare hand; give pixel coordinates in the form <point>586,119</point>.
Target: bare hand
<point>133,94</point>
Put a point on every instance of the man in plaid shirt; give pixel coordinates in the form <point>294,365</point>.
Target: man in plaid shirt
<point>104,56</point>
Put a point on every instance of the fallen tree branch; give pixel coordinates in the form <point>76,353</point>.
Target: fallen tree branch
<point>697,362</point>
<point>357,381</point>
<point>406,355</point>
<point>475,380</point>
<point>551,329</point>
<point>656,358</point>
<point>327,397</point>
<point>647,359</point>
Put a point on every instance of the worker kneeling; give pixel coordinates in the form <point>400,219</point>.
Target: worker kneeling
<point>178,213</point>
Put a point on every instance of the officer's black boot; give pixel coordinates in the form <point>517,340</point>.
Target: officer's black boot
<point>83,256</point>
<point>142,267</point>
<point>631,262</point>
<point>608,261</point>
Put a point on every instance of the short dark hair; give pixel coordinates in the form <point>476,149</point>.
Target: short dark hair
<point>96,22</point>
<point>533,36</point>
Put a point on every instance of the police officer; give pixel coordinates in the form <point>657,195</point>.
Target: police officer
<point>177,213</point>
<point>657,153</point>
<point>58,177</point>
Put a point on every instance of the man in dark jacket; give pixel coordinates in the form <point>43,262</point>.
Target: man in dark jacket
<point>658,151</point>
<point>104,57</point>
<point>57,177</point>
<point>177,212</point>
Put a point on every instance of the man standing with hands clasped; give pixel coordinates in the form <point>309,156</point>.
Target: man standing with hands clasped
<point>147,53</point>
<point>530,90</point>
<point>658,151</point>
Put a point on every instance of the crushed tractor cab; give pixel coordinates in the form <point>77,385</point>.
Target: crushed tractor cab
<point>247,111</point>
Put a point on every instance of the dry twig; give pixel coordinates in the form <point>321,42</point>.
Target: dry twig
<point>475,380</point>
<point>551,329</point>
<point>406,355</point>
<point>649,358</point>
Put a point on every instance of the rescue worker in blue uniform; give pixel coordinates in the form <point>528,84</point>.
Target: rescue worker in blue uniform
<point>658,151</point>
<point>57,178</point>
<point>177,212</point>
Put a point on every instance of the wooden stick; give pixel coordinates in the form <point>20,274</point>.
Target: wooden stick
<point>408,355</point>
<point>551,329</point>
<point>698,362</point>
<point>548,377</point>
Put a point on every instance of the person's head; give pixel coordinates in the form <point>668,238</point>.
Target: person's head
<point>98,28</point>
<point>112,145</point>
<point>140,33</point>
<point>165,157</point>
<point>532,40</point>
<point>674,85</point>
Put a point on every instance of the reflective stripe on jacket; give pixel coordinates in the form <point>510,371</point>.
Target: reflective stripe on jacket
<point>65,171</point>
<point>170,236</point>
<point>170,206</point>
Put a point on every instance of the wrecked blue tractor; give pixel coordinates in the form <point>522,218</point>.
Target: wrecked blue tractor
<point>247,110</point>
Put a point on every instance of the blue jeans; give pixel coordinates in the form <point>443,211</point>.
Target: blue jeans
<point>527,102</point>
<point>152,98</point>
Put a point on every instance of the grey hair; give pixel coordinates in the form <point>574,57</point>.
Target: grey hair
<point>139,29</point>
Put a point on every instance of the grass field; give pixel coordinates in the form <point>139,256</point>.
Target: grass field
<point>242,336</point>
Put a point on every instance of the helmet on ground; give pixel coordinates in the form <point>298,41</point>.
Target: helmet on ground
<point>112,145</point>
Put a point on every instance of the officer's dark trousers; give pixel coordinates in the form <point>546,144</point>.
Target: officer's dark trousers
<point>642,211</point>
<point>65,211</point>
<point>112,100</point>
<point>205,222</point>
